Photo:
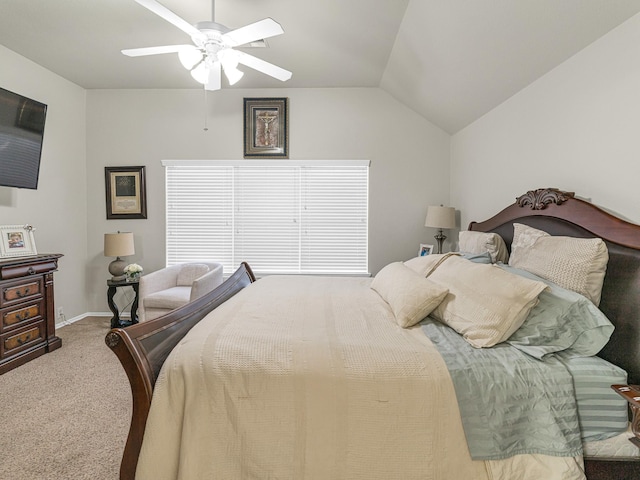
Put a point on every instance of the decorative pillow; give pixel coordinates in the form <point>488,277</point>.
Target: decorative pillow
<point>480,242</point>
<point>577,264</point>
<point>189,272</point>
<point>485,304</point>
<point>562,321</point>
<point>410,296</point>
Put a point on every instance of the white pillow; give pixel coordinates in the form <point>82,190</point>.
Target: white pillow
<point>481,242</point>
<point>524,237</point>
<point>577,264</point>
<point>485,304</point>
<point>410,296</point>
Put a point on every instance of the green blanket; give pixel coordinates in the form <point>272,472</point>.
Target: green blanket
<point>510,403</point>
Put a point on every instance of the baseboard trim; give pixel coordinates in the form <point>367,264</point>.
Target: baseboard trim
<point>69,321</point>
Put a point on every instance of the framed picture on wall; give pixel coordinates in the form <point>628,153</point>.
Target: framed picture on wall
<point>17,241</point>
<point>425,250</point>
<point>126,192</point>
<point>266,128</point>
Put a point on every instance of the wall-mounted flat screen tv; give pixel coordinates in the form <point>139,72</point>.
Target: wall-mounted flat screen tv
<point>21,132</point>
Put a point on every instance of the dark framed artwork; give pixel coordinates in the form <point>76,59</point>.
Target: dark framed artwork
<point>126,192</point>
<point>266,128</point>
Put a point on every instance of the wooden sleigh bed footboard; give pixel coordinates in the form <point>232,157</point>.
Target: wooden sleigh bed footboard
<point>142,349</point>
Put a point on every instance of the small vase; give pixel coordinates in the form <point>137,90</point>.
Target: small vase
<point>133,278</point>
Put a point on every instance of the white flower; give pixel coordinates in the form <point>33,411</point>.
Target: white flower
<point>132,269</point>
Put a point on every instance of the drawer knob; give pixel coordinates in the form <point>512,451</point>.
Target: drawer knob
<point>31,271</point>
<point>21,293</point>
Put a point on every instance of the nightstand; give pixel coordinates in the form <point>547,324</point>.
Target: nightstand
<point>632,394</point>
<point>113,286</point>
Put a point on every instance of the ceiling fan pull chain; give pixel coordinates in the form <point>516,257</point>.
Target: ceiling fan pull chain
<point>206,113</point>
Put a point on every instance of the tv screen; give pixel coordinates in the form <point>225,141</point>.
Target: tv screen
<point>21,133</point>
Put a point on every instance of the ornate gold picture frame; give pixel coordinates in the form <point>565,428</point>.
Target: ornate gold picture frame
<point>266,128</point>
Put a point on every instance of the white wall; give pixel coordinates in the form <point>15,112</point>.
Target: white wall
<point>409,159</point>
<point>576,128</point>
<point>57,209</point>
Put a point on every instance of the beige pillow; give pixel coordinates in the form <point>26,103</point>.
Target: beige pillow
<point>410,296</point>
<point>424,265</point>
<point>524,237</point>
<point>481,242</point>
<point>485,304</point>
<point>577,264</point>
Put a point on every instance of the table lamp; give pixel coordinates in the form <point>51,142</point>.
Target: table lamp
<point>440,218</point>
<point>118,245</point>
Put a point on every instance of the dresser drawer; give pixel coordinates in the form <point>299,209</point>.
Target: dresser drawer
<point>22,339</point>
<point>24,269</point>
<point>17,316</point>
<point>21,291</point>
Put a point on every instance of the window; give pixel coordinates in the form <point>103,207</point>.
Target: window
<point>306,217</point>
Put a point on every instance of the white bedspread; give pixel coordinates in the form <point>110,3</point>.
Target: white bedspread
<point>310,378</point>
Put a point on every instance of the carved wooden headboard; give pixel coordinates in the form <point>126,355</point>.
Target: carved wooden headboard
<point>560,213</point>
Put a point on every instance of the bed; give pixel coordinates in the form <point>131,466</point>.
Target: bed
<point>379,395</point>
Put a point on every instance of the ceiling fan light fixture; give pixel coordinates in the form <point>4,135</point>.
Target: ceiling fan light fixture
<point>201,73</point>
<point>213,48</point>
<point>232,74</point>
<point>189,57</point>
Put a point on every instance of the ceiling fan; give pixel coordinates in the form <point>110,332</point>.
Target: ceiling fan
<point>213,47</point>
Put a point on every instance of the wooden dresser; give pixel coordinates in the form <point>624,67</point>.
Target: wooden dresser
<point>27,313</point>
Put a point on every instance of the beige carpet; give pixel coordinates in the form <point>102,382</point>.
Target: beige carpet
<point>65,415</point>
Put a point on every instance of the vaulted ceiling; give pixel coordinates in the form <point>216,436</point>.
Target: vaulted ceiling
<point>451,61</point>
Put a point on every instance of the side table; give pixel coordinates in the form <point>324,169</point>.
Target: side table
<point>113,286</point>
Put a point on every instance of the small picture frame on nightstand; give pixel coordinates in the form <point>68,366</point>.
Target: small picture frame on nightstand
<point>425,249</point>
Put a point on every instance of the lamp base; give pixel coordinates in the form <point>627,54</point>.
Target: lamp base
<point>116,269</point>
<point>440,238</point>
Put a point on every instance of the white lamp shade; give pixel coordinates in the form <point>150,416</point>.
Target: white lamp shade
<point>440,217</point>
<point>201,73</point>
<point>232,74</point>
<point>118,244</point>
<point>189,57</point>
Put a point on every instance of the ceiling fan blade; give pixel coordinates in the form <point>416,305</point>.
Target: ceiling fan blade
<point>264,67</point>
<point>255,31</point>
<point>214,82</point>
<point>169,16</point>
<point>139,52</point>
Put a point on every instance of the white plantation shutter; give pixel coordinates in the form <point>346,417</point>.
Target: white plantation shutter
<point>307,217</point>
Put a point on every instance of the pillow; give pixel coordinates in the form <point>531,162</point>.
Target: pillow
<point>577,264</point>
<point>425,264</point>
<point>524,237</point>
<point>480,242</point>
<point>190,272</point>
<point>478,257</point>
<point>485,304</point>
<point>410,296</point>
<point>562,320</point>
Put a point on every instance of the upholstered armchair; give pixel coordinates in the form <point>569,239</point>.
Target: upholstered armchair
<point>169,288</point>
